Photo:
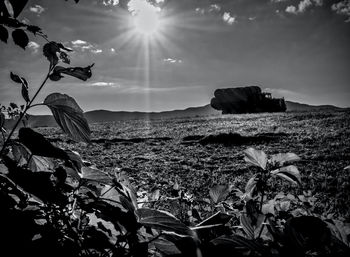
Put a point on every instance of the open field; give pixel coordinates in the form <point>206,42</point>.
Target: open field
<point>156,153</point>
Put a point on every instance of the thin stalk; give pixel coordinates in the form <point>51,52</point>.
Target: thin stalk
<point>28,106</point>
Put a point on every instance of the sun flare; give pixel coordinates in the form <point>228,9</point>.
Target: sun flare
<point>146,20</point>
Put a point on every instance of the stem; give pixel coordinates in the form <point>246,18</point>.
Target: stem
<point>28,106</point>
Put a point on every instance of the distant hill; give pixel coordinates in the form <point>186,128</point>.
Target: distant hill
<point>207,110</point>
<point>295,107</point>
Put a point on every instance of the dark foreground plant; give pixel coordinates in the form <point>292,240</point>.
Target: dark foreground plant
<point>55,204</point>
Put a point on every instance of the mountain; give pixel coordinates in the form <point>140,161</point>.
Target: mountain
<point>297,107</point>
<point>201,111</point>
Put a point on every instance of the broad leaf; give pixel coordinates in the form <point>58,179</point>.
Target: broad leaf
<point>269,207</point>
<point>166,247</point>
<point>39,163</point>
<point>95,175</point>
<point>251,227</point>
<point>281,158</point>
<point>290,173</point>
<point>234,243</point>
<point>4,34</point>
<point>69,116</point>
<point>53,51</point>
<point>20,38</point>
<point>112,196</point>
<point>162,220</point>
<point>250,188</point>
<point>219,193</point>
<point>255,157</point>
<point>17,6</point>
<point>215,219</point>
<point>21,153</point>
<point>306,233</point>
<point>39,145</point>
<point>77,72</point>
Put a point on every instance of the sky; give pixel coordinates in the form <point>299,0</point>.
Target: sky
<point>172,54</point>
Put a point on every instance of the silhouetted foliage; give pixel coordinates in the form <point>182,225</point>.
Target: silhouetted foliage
<point>55,204</point>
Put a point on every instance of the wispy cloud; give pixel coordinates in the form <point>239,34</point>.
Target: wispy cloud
<point>342,8</point>
<point>104,84</point>
<point>33,46</point>
<point>171,60</point>
<point>213,8</point>
<point>84,45</point>
<point>110,2</point>
<point>228,18</point>
<point>303,6</point>
<point>38,9</point>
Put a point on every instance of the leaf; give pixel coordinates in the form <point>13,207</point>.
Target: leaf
<point>281,158</point>
<point>218,218</point>
<point>252,228</point>
<point>166,247</point>
<point>2,119</point>
<point>69,116</point>
<point>162,220</point>
<point>4,34</point>
<point>25,94</point>
<point>337,228</point>
<point>255,157</point>
<point>95,175</point>
<point>234,243</point>
<point>15,78</point>
<point>305,233</point>
<point>39,145</point>
<point>77,72</point>
<point>290,173</point>
<point>269,207</point>
<point>39,163</point>
<point>250,188</point>
<point>17,6</point>
<point>13,105</point>
<point>219,193</point>
<point>20,38</point>
<point>50,51</point>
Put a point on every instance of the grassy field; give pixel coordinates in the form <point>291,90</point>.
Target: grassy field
<point>159,154</point>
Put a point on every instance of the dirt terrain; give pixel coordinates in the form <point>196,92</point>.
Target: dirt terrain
<point>200,152</point>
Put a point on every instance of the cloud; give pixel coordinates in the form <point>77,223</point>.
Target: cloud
<point>96,51</point>
<point>342,8</point>
<point>303,6</point>
<point>110,2</point>
<point>213,8</point>
<point>104,84</point>
<point>137,6</point>
<point>171,60</point>
<point>228,18</point>
<point>33,46</point>
<point>291,9</point>
<point>84,45</point>
<point>38,9</point>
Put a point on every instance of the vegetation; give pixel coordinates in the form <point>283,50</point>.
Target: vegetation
<point>56,204</point>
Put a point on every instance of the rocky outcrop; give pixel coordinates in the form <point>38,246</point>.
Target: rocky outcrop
<point>246,100</point>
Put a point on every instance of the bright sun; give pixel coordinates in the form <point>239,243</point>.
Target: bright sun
<point>146,20</point>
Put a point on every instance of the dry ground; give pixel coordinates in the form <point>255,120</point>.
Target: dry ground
<point>157,153</point>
